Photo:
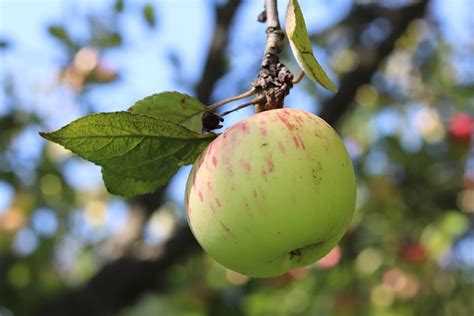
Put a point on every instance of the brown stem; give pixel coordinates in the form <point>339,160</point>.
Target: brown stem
<point>244,95</point>
<point>254,101</point>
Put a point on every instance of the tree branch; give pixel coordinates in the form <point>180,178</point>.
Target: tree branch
<point>271,10</point>
<point>274,79</point>
<point>121,282</point>
<point>275,36</point>
<point>215,65</point>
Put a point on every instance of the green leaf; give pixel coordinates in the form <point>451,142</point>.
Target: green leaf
<point>149,15</point>
<point>128,187</point>
<point>175,107</point>
<point>301,46</point>
<point>60,33</point>
<point>108,39</point>
<point>132,145</point>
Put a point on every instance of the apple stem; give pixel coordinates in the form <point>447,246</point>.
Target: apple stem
<point>244,95</point>
<point>254,101</point>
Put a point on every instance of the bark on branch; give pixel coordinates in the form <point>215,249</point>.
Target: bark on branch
<point>274,79</point>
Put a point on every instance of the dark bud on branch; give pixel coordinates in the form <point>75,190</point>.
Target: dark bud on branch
<point>211,121</point>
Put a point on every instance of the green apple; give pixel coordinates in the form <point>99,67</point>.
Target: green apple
<point>274,192</point>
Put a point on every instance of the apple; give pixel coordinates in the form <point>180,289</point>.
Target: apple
<point>461,127</point>
<point>274,192</point>
<point>461,131</point>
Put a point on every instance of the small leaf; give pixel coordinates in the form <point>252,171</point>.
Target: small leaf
<point>132,145</point>
<point>149,15</point>
<point>119,6</point>
<point>128,187</point>
<point>60,33</point>
<point>175,107</point>
<point>301,46</point>
<point>108,39</point>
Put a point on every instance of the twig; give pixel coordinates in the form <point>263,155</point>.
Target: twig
<point>244,95</point>
<point>275,35</point>
<point>271,10</point>
<point>254,101</point>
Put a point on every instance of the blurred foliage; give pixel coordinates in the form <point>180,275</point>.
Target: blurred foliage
<point>410,249</point>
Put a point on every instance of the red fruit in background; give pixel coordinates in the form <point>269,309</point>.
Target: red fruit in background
<point>331,259</point>
<point>461,126</point>
<point>414,253</point>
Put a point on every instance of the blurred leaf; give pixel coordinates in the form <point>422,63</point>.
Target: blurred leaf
<point>136,146</point>
<point>104,32</point>
<point>175,107</point>
<point>108,39</point>
<point>60,33</point>
<point>101,75</point>
<point>119,5</point>
<point>174,59</point>
<point>149,15</point>
<point>454,223</point>
<point>301,46</point>
<point>4,44</point>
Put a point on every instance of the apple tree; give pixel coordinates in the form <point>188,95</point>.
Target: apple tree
<point>270,197</point>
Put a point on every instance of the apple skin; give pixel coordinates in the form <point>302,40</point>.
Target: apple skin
<point>274,192</point>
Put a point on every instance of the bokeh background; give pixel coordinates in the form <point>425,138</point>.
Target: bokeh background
<point>405,107</point>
